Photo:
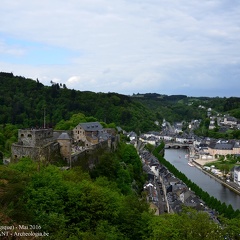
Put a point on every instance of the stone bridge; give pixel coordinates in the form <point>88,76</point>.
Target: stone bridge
<point>178,145</point>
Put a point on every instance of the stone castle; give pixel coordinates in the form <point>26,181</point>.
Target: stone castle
<point>46,145</point>
<point>41,144</point>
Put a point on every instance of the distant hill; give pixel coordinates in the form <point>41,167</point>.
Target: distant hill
<point>23,100</point>
<point>181,107</point>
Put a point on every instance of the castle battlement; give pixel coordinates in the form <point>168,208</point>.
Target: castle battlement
<point>34,137</point>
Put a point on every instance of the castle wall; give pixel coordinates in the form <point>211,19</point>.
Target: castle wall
<point>43,153</point>
<point>34,137</point>
<point>89,156</point>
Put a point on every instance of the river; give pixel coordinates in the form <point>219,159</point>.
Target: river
<point>177,158</point>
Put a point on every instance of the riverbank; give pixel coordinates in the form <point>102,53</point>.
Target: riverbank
<point>202,162</point>
<point>199,163</point>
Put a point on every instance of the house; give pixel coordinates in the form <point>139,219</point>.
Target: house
<point>151,140</point>
<point>230,121</point>
<point>212,123</point>
<point>154,168</point>
<point>168,138</point>
<point>236,175</point>
<point>180,139</point>
<point>87,133</point>
<point>183,195</point>
<point>193,201</point>
<point>209,112</point>
<point>224,148</point>
<point>178,127</point>
<point>150,174</point>
<point>132,136</point>
<point>173,180</point>
<point>152,192</point>
<point>177,206</point>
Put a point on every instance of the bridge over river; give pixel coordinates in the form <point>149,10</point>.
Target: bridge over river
<point>178,145</point>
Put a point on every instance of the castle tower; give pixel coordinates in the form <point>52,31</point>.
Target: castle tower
<point>34,137</point>
<point>65,146</point>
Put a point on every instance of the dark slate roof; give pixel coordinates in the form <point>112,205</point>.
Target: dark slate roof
<point>103,136</point>
<point>119,129</point>
<point>173,179</point>
<point>203,145</point>
<point>233,119</point>
<point>132,134</point>
<point>64,136</point>
<point>178,187</point>
<point>91,126</point>
<point>223,146</point>
<point>236,145</point>
<point>237,168</point>
<point>146,168</point>
<point>177,206</point>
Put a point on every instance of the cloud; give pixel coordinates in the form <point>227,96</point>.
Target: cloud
<point>74,79</point>
<point>124,46</point>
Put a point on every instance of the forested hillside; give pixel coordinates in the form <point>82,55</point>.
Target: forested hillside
<point>22,102</point>
<point>181,107</point>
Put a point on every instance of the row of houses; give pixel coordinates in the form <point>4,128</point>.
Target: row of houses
<point>173,194</point>
<point>202,146</point>
<point>226,121</point>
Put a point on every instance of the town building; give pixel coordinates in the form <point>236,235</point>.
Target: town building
<point>87,133</point>
<point>237,175</point>
<point>224,148</point>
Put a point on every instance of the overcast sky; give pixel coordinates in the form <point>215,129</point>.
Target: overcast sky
<point>189,47</point>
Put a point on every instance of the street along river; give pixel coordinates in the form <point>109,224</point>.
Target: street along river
<point>177,158</point>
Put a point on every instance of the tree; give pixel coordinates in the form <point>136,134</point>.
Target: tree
<point>44,199</point>
<point>1,158</point>
<point>189,225</point>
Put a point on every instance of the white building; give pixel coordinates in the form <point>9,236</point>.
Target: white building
<point>237,175</point>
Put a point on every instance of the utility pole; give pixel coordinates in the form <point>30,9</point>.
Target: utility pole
<point>44,116</point>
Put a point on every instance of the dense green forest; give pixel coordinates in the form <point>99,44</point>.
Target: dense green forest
<point>24,102</point>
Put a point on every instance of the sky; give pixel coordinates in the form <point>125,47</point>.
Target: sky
<point>170,47</point>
